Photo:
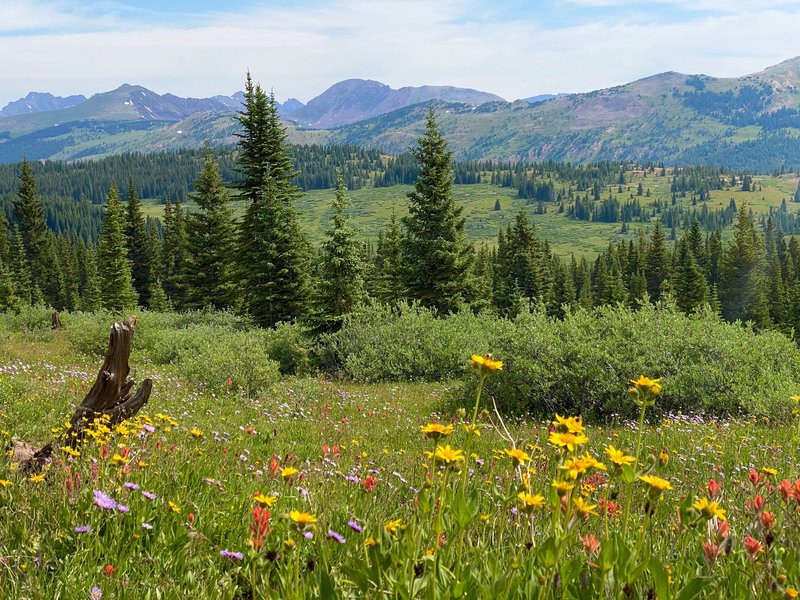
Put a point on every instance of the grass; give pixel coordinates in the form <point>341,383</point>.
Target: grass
<point>360,457</point>
<point>371,208</point>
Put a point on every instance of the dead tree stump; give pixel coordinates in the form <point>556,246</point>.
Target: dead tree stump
<point>111,395</point>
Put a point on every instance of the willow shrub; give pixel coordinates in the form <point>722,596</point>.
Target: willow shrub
<point>578,365</point>
<point>409,344</point>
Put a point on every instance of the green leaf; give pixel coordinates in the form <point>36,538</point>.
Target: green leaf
<point>660,578</point>
<point>694,587</point>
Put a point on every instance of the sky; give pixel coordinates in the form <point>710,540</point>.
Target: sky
<point>299,48</point>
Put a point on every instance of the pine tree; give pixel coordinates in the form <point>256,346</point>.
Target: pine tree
<point>657,270</point>
<point>24,290</point>
<point>30,216</point>
<point>340,289</point>
<point>140,252</point>
<point>743,288</point>
<point>209,273</point>
<point>88,278</point>
<point>690,287</point>
<point>114,267</point>
<point>273,252</point>
<point>276,283</point>
<point>389,287</point>
<point>3,237</point>
<point>173,253</point>
<point>436,254</point>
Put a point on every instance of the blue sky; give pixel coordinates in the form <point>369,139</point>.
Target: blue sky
<point>514,48</point>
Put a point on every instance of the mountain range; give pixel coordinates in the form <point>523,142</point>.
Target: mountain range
<point>748,122</point>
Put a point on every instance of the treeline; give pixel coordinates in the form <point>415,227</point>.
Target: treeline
<point>265,266</point>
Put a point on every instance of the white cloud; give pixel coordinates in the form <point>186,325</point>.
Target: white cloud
<point>301,51</point>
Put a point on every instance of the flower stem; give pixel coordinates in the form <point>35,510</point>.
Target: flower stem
<point>638,450</point>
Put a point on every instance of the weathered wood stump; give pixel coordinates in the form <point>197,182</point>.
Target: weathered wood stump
<point>55,321</point>
<point>111,395</point>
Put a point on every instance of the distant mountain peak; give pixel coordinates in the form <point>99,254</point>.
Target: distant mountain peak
<point>39,102</point>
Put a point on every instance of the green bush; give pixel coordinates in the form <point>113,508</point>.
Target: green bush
<point>28,319</point>
<point>409,344</point>
<point>582,365</point>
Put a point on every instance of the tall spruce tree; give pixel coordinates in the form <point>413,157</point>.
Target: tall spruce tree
<point>114,267</point>
<point>340,289</point>
<point>657,269</point>
<point>273,252</point>
<point>436,254</point>
<point>389,287</point>
<point>690,287</point>
<point>30,217</point>
<point>209,275</point>
<point>140,251</point>
<point>173,253</point>
<point>743,286</point>
<point>25,291</point>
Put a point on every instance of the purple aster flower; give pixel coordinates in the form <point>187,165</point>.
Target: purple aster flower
<point>148,495</point>
<point>352,479</point>
<point>353,524</point>
<point>231,555</point>
<point>148,428</point>
<point>309,535</point>
<point>82,529</point>
<point>336,536</point>
<point>131,486</point>
<point>122,508</point>
<point>104,501</point>
<point>147,526</point>
<point>96,593</point>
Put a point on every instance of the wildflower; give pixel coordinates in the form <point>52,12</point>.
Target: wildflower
<point>486,364</point>
<point>663,457</point>
<point>104,501</point>
<point>569,424</point>
<point>448,456</point>
<point>646,385</point>
<point>657,485</point>
<point>591,545</point>
<point>96,593</point>
<point>82,529</point>
<point>530,501</point>
<point>195,432</point>
<point>370,541</point>
<point>174,507</point>
<point>394,527</point>
<point>517,456</point>
<point>618,457</point>
<point>434,431</point>
<point>369,483</point>
<point>752,546</point>
<point>265,501</point>
<point>39,478</point>
<point>768,471</point>
<point>288,472</point>
<point>709,509</point>
<point>337,537</point>
<point>148,495</point>
<point>131,486</point>
<point>714,488</point>
<point>6,483</point>
<point>577,466</point>
<point>584,507</point>
<point>71,451</point>
<point>567,440</point>
<point>353,524</point>
<point>723,529</point>
<point>767,519</point>
<point>795,399</point>
<point>147,526</point>
<point>231,555</point>
<point>118,460</point>
<point>108,570</point>
<point>791,593</point>
<point>301,520</point>
<point>562,487</point>
<point>123,508</point>
<point>473,429</point>
<point>711,551</point>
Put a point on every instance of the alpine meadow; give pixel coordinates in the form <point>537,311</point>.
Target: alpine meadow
<point>401,343</point>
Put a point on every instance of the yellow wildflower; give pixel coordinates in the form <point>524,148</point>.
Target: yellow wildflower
<point>657,484</point>
<point>288,472</point>
<point>768,471</point>
<point>71,451</point>
<point>584,507</point>
<point>795,399</point>
<point>6,483</point>
<point>195,432</point>
<point>394,527</point>
<point>791,593</point>
<point>709,509</point>
<point>39,478</point>
<point>174,507</point>
<point>530,501</point>
<point>371,541</point>
<point>434,431</point>
<point>265,501</point>
<point>302,519</point>
<point>473,429</point>
<point>447,455</point>
<point>517,455</point>
<point>562,487</point>
<point>567,440</point>
<point>118,460</point>
<point>570,424</point>
<point>647,385</point>
<point>486,364</point>
<point>618,457</point>
<point>577,466</point>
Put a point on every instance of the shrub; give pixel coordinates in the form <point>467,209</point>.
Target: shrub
<point>28,319</point>
<point>583,363</point>
<point>409,344</point>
